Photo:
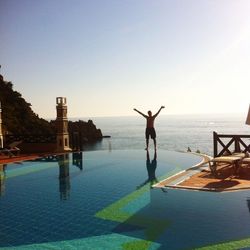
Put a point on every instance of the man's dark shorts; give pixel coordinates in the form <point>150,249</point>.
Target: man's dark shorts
<point>150,132</point>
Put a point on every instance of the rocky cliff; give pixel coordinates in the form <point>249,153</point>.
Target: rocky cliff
<point>87,130</point>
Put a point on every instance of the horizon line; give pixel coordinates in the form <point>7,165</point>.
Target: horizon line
<point>113,116</point>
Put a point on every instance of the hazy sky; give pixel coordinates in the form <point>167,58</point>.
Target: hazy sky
<point>109,56</point>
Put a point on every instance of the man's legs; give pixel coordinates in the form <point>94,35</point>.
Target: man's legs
<point>150,132</point>
<point>154,143</point>
<point>153,136</point>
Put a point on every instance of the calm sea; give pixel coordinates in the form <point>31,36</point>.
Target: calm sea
<point>174,132</point>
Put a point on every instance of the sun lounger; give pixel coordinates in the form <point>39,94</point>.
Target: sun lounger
<point>234,160</point>
<point>11,150</point>
<point>246,161</point>
<point>244,165</point>
<point>5,151</point>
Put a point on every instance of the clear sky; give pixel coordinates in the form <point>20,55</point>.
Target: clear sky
<point>109,56</point>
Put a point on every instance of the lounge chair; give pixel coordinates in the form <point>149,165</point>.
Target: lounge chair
<point>244,165</point>
<point>245,160</point>
<point>234,160</point>
<point>12,149</point>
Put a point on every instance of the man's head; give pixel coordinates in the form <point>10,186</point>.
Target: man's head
<point>149,113</point>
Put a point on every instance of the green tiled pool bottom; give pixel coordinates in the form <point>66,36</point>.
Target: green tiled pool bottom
<point>104,200</point>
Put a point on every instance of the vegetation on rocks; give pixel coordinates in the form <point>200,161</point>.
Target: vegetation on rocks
<point>17,115</point>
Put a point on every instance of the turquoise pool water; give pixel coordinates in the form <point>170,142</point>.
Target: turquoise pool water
<point>103,200</point>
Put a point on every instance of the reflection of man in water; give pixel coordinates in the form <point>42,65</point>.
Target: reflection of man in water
<point>150,130</point>
<point>151,167</point>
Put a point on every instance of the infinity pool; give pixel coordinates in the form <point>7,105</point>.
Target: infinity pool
<point>104,200</point>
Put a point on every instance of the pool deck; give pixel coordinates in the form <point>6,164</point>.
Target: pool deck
<point>200,178</point>
<point>24,157</point>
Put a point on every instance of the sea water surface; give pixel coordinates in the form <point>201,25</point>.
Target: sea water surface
<point>174,132</point>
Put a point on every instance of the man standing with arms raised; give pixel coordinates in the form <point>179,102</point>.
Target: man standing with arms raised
<point>150,130</point>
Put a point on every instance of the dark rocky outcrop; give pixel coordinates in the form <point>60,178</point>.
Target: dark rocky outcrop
<point>87,130</point>
<point>81,132</point>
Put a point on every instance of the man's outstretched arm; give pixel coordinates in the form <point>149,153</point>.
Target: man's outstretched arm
<point>140,113</point>
<point>162,107</point>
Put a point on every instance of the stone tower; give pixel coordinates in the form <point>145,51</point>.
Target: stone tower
<point>1,131</point>
<point>62,136</point>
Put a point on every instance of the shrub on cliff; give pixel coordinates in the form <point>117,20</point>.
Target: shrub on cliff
<point>17,115</point>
